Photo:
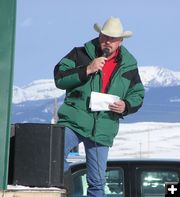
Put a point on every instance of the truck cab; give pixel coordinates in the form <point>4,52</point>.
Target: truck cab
<point>129,177</point>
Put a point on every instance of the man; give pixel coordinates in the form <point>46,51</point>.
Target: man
<point>101,65</point>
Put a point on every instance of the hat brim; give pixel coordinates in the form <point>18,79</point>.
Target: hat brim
<point>125,34</point>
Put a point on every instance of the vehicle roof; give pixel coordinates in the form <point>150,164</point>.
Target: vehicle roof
<point>139,161</point>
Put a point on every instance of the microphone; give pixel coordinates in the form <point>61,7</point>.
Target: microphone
<point>105,52</point>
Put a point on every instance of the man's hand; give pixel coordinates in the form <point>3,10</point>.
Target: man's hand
<point>96,65</point>
<point>118,107</point>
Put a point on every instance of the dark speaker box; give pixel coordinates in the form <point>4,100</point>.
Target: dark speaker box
<point>37,155</point>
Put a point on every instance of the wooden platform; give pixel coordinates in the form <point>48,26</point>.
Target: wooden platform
<point>33,193</point>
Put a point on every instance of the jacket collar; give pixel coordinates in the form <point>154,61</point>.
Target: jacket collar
<point>91,48</point>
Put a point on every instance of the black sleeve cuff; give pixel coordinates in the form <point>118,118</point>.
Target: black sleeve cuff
<point>127,108</point>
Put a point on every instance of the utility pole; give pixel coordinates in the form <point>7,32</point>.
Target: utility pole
<point>140,151</point>
<point>54,119</point>
<point>148,143</point>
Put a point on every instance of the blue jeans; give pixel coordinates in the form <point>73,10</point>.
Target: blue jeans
<point>96,159</point>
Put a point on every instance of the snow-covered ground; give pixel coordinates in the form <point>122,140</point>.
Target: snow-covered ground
<point>146,140</point>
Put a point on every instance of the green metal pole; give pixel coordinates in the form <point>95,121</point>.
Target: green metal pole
<point>7,42</point>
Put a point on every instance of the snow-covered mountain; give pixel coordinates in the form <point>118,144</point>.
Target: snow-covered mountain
<point>37,90</point>
<point>151,76</point>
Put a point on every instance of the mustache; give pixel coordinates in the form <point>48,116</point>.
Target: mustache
<point>107,46</point>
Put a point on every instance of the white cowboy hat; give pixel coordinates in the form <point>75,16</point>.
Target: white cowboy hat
<point>113,28</point>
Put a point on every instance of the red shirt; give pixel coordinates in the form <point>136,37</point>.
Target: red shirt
<point>107,71</point>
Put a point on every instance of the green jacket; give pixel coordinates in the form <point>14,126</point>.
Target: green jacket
<point>70,74</point>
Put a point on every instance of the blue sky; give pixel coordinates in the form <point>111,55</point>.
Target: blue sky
<point>47,29</point>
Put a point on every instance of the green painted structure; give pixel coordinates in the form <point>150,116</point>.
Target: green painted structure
<point>7,43</point>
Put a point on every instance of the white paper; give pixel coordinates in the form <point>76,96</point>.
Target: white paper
<point>101,101</point>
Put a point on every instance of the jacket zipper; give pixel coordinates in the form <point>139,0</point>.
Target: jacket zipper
<point>94,126</point>
<point>95,114</point>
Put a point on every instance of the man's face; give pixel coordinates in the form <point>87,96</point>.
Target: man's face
<point>109,42</point>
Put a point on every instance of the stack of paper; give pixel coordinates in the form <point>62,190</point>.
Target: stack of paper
<point>101,101</point>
